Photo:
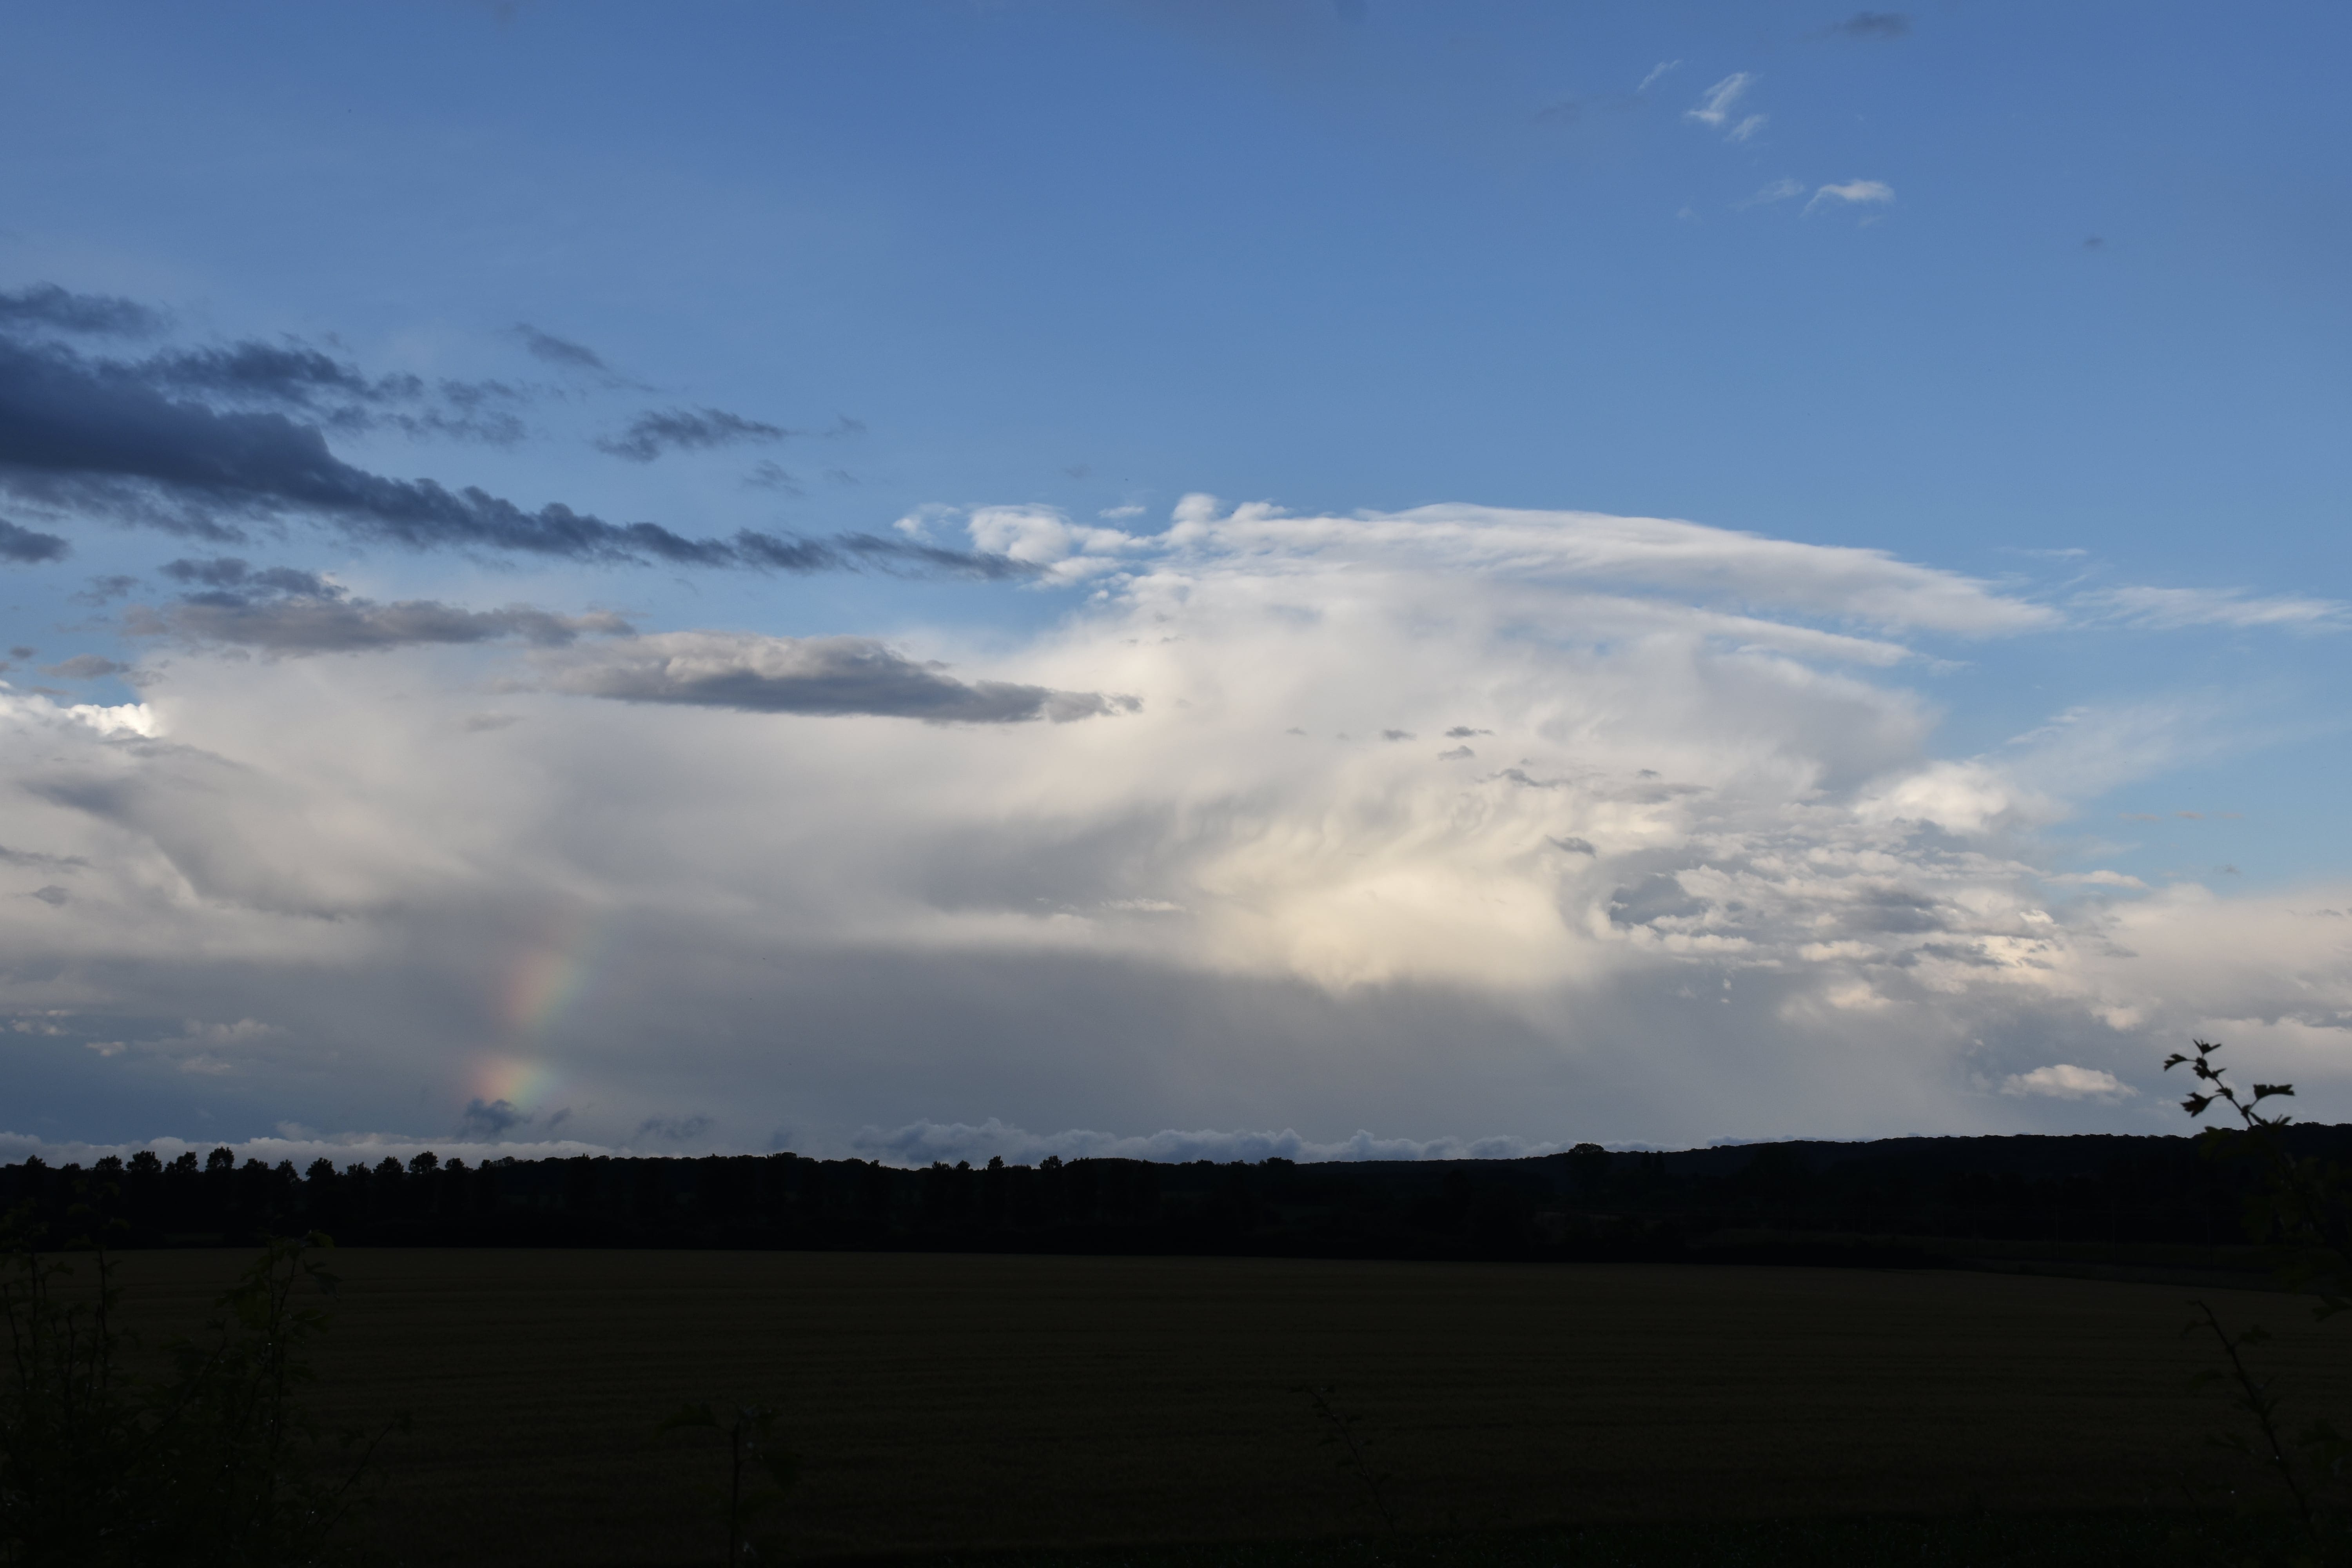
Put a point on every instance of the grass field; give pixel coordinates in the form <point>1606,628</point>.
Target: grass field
<point>953,1403</point>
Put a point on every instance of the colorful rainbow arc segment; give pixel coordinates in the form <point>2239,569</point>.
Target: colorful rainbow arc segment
<point>543,985</point>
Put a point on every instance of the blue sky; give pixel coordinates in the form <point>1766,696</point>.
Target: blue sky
<point>2042,301</point>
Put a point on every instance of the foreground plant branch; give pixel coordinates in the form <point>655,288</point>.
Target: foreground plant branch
<point>1340,1432</point>
<point>215,1465</point>
<point>2303,1205</point>
<point>753,1452</point>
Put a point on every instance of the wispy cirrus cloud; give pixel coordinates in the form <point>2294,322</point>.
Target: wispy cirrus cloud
<point>2175,608</point>
<point>1715,105</point>
<point>1778,191</point>
<point>1724,565</point>
<point>1853,193</point>
<point>1716,108</point>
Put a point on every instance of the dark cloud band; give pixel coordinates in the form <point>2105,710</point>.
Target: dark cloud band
<point>98,434</point>
<point>139,442</point>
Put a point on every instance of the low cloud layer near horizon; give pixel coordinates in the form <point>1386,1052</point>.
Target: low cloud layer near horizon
<point>917,1145</point>
<point>1475,827</point>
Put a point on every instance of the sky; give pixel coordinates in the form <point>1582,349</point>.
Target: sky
<point>1187,579</point>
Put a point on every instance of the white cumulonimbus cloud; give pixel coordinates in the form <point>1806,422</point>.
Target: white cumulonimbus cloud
<point>1452,823</point>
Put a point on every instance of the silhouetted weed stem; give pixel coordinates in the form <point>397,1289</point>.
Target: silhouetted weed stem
<point>2257,1399</point>
<point>751,1446</point>
<point>1340,1433</point>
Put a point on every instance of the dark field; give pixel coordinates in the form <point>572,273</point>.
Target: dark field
<point>952,1402</point>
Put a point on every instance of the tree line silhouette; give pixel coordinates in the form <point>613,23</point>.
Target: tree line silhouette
<point>1841,1200</point>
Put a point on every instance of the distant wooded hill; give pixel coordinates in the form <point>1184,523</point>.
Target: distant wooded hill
<point>1890,1203</point>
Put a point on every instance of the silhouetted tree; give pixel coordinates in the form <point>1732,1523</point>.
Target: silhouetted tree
<point>1588,1166</point>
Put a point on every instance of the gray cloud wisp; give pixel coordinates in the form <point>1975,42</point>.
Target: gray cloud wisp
<point>687,430</point>
<point>354,625</point>
<point>27,547</point>
<point>1871,26</point>
<point>47,306</point>
<point>836,675</point>
<point>562,352</point>
<point>282,611</point>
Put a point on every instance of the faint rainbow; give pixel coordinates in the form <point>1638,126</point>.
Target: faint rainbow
<point>546,978</point>
<point>524,1085</point>
<point>540,986</point>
